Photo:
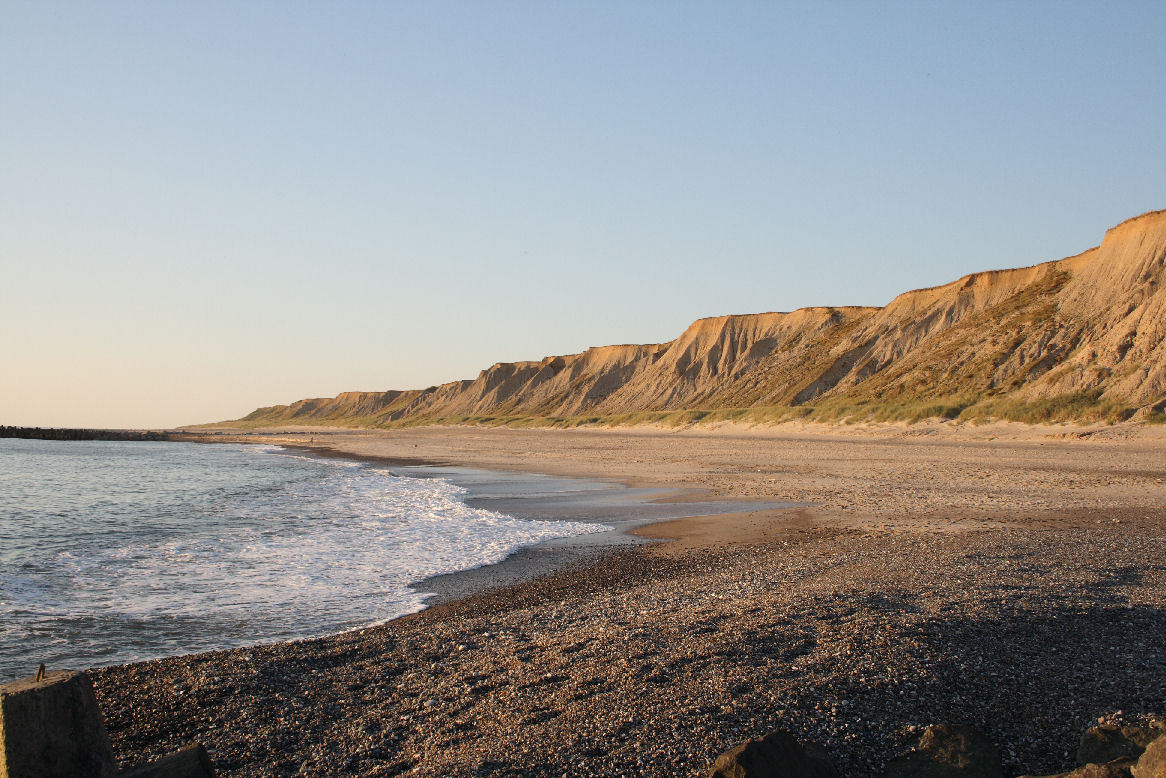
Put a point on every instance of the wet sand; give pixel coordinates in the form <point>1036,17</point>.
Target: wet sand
<point>1009,578</point>
<point>634,515</point>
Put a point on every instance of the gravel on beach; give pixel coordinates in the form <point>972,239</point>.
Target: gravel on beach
<point>650,664</point>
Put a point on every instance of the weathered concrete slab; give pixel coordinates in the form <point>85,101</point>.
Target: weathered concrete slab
<point>52,727</point>
<point>190,762</point>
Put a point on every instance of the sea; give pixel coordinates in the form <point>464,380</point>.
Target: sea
<point>114,552</point>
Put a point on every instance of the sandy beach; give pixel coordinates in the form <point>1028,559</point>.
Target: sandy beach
<point>999,575</point>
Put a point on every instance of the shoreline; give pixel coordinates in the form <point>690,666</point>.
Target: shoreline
<point>876,476</point>
<point>1015,585</point>
<point>633,515</point>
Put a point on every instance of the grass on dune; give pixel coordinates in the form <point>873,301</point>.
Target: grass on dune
<point>1084,407</point>
<point>1087,406</point>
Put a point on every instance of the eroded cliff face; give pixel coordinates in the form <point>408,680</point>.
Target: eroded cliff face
<point>1117,302</point>
<point>345,406</point>
<point>1095,321</point>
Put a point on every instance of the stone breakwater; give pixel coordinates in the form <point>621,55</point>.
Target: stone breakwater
<point>62,433</point>
<point>653,665</point>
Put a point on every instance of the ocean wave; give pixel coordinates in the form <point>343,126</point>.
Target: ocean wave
<point>191,548</point>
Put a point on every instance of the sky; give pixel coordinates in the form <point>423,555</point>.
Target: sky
<point>207,207</point>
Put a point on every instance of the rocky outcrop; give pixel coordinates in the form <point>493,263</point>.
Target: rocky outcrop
<point>1120,752</point>
<point>1152,762</point>
<point>1108,742</point>
<point>949,751</point>
<point>1094,323</point>
<point>776,755</point>
<point>954,751</point>
<point>1118,768</point>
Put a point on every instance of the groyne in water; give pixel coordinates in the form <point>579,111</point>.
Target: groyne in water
<point>58,433</point>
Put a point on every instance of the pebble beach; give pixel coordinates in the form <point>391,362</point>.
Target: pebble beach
<point>1010,579</point>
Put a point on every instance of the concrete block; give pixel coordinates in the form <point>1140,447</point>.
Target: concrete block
<point>190,762</point>
<point>51,727</point>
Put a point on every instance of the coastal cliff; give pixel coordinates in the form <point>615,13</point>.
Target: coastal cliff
<point>1076,338</point>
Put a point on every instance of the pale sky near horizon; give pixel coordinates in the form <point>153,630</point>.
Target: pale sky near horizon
<point>209,207</point>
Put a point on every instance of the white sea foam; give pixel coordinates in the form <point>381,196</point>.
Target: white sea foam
<point>225,546</point>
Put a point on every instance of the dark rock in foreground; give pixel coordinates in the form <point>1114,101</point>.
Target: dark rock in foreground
<point>190,762</point>
<point>949,750</point>
<point>1106,743</point>
<point>776,755</point>
<point>1110,751</point>
<point>1152,763</point>
<point>1118,768</point>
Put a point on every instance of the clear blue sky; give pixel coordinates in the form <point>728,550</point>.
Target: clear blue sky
<point>210,206</point>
